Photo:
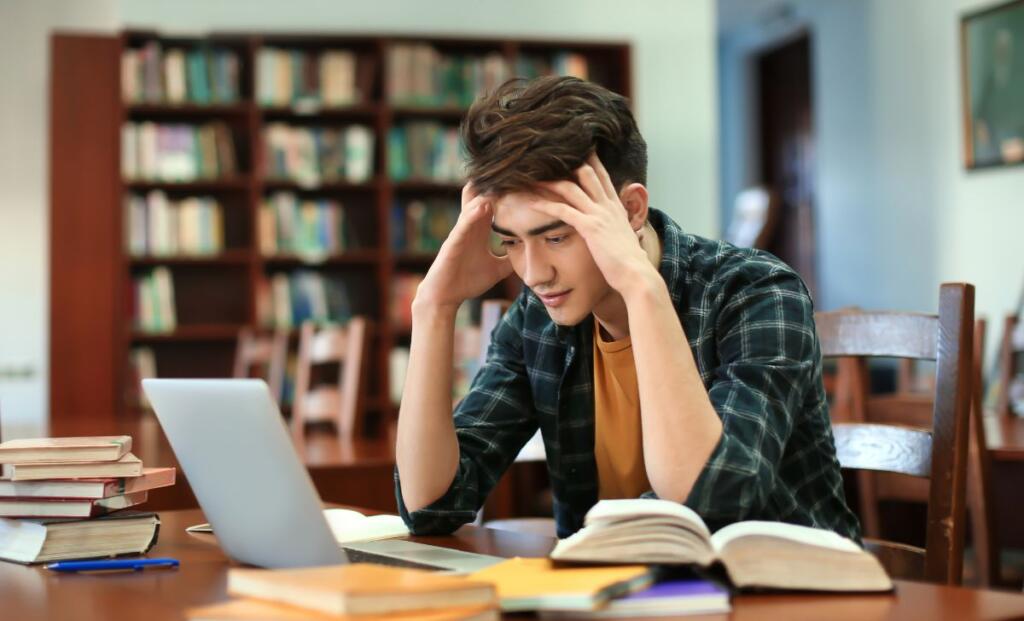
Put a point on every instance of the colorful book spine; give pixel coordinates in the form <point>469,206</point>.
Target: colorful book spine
<point>154,308</point>
<point>177,152</point>
<point>313,155</point>
<point>156,226</point>
<point>286,300</point>
<point>420,75</point>
<point>425,150</point>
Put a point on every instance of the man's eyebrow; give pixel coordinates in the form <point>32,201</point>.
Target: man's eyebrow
<point>540,230</point>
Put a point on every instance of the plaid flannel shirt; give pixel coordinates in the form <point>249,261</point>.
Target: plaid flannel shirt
<point>749,322</point>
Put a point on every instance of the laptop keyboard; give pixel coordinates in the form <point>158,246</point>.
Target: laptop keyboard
<point>362,556</point>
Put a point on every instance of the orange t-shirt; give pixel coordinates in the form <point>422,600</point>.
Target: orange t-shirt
<point>618,440</point>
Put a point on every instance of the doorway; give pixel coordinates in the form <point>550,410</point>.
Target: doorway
<point>786,113</point>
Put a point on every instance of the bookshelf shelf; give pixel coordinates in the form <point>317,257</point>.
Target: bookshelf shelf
<point>426,185</point>
<point>451,114</point>
<point>187,111</point>
<point>363,112</point>
<point>236,257</point>
<point>325,186</point>
<point>354,257</point>
<point>197,186</point>
<point>96,106</point>
<point>415,259</point>
<point>214,332</point>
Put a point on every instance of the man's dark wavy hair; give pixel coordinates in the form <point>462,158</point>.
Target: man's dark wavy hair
<point>542,130</point>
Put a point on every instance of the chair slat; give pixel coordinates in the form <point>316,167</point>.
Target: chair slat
<point>891,335</point>
<point>885,448</point>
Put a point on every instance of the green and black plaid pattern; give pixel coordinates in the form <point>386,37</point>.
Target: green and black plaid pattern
<point>749,321</point>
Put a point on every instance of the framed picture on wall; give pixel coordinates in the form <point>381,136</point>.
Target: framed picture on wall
<point>992,57</point>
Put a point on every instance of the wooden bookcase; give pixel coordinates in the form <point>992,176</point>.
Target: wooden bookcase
<point>91,326</point>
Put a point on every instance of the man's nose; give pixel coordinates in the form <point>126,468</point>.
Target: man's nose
<point>537,270</point>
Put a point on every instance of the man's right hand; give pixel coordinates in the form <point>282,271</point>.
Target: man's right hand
<point>464,267</point>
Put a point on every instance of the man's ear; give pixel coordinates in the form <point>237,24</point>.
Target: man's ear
<point>634,198</point>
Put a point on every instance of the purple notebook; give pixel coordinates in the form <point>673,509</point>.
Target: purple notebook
<point>677,589</point>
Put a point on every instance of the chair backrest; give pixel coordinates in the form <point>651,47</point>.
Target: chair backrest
<point>263,354</point>
<point>338,401</point>
<point>912,404</point>
<point>939,453</point>
<point>1009,372</point>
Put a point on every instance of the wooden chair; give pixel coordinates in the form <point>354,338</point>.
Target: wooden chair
<point>938,453</point>
<point>262,355</point>
<point>1009,353</point>
<point>339,401</point>
<point>909,405</point>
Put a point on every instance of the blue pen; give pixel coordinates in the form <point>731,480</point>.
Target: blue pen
<point>135,564</point>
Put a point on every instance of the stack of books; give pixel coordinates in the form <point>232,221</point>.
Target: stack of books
<point>61,498</point>
<point>358,591</point>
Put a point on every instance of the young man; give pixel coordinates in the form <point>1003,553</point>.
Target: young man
<point>655,363</point>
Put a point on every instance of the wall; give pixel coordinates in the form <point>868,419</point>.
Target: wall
<point>24,311</point>
<point>674,90</point>
<point>897,213</point>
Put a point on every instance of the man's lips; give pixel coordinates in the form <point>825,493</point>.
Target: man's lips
<point>554,299</point>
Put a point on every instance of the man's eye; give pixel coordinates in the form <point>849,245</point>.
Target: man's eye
<point>557,239</point>
<point>508,243</point>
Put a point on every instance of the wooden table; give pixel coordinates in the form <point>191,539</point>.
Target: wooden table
<point>1005,439</point>
<point>33,593</point>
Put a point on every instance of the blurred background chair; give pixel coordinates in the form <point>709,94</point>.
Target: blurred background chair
<point>336,401</point>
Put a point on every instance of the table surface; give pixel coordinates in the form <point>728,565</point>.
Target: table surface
<point>1004,436</point>
<point>33,593</point>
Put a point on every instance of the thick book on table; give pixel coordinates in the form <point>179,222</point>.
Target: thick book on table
<point>248,609</point>
<point>39,541</point>
<point>60,450</point>
<point>536,584</point>
<point>60,508</point>
<point>360,588</point>
<point>92,489</point>
<point>128,466</point>
<point>771,555</point>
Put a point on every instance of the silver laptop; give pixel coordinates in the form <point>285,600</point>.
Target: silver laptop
<point>236,452</point>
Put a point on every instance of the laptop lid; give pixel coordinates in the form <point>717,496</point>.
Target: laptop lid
<point>234,448</point>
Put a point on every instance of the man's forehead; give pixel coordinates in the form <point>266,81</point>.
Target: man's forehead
<point>516,216</point>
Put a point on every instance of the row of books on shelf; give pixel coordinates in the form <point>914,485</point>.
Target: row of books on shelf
<point>425,150</point>
<point>199,75</point>
<point>563,62</point>
<point>287,300</point>
<point>153,301</point>
<point>422,225</point>
<point>309,228</point>
<point>177,152</point>
<point>161,227</point>
<point>308,79</point>
<point>62,498</point>
<point>311,155</point>
<point>418,74</point>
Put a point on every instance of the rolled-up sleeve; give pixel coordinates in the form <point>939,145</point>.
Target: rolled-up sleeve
<point>492,424</point>
<point>767,355</point>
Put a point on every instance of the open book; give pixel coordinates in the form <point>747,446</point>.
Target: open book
<point>349,526</point>
<point>755,554</point>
